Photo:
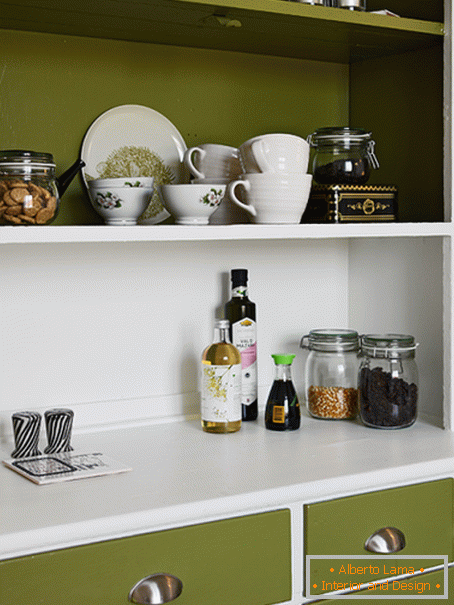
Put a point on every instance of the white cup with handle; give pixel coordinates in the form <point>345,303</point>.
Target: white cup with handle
<point>270,198</point>
<point>212,161</point>
<point>275,152</point>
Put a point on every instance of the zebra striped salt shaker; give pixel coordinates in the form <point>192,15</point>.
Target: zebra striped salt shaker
<point>26,427</point>
<point>58,428</point>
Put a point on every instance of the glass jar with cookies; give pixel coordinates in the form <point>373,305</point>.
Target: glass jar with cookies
<point>28,188</point>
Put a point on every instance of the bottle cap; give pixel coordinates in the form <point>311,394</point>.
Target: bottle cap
<point>283,360</point>
<point>239,277</point>
<point>222,323</point>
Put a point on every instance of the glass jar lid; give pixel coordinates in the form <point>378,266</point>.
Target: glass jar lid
<point>20,157</point>
<point>338,134</point>
<point>331,340</point>
<point>359,4</point>
<point>387,345</point>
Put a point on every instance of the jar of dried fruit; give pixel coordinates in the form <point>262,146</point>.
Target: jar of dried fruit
<point>342,156</point>
<point>28,188</point>
<point>388,381</point>
<point>331,373</point>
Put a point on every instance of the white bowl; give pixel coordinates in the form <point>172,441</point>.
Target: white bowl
<point>120,205</point>
<point>192,204</point>
<point>124,181</point>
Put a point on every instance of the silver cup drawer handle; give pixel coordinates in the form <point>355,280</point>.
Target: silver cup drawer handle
<point>157,589</point>
<point>385,541</point>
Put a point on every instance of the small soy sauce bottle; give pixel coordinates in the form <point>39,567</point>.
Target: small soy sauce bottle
<point>282,412</point>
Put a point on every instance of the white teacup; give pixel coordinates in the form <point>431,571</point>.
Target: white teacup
<point>209,162</point>
<point>272,199</point>
<point>275,153</point>
<point>191,204</point>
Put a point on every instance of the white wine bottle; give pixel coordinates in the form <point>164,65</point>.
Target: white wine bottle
<point>221,383</point>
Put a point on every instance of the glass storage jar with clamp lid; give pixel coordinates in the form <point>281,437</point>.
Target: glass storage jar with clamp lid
<point>28,188</point>
<point>331,373</point>
<point>388,381</point>
<point>342,156</point>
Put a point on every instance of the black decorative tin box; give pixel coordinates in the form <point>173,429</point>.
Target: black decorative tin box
<point>351,204</point>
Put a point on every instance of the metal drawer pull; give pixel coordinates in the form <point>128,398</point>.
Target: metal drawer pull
<point>385,541</point>
<point>156,589</point>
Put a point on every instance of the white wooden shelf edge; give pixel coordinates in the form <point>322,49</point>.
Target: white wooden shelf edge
<point>156,233</point>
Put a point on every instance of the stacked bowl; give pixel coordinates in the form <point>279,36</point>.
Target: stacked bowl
<point>212,167</point>
<point>274,182</point>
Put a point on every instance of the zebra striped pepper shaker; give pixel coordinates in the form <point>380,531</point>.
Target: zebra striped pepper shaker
<point>26,427</point>
<point>58,428</point>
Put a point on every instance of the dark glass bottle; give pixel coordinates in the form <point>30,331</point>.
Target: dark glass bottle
<point>282,412</point>
<point>240,311</point>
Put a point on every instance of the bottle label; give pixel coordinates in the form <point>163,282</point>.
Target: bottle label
<point>221,393</point>
<point>279,414</point>
<point>244,337</point>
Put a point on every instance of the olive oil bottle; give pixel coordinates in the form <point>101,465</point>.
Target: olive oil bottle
<point>240,311</point>
<point>221,383</point>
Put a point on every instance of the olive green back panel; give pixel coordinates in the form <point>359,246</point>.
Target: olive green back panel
<point>230,562</point>
<point>400,100</point>
<point>424,513</point>
<point>414,9</point>
<point>53,87</point>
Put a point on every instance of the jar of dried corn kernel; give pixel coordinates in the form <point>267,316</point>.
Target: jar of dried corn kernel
<point>331,374</point>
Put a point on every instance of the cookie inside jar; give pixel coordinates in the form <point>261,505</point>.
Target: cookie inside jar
<point>28,190</point>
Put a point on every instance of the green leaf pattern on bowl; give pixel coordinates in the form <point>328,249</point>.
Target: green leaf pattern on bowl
<point>212,198</point>
<point>109,200</point>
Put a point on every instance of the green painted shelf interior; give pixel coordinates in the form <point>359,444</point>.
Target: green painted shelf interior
<point>276,27</point>
<point>290,67</point>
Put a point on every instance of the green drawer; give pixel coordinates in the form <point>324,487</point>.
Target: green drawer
<point>429,587</point>
<point>233,561</point>
<point>423,512</point>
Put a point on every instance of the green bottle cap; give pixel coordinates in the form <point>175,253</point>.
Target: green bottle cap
<point>283,360</point>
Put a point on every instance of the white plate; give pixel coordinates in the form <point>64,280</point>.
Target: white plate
<point>122,133</point>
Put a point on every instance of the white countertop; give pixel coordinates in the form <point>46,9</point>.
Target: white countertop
<point>181,475</point>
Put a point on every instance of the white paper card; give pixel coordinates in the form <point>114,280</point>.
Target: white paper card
<point>65,466</point>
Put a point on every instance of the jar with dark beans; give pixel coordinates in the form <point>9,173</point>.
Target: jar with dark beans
<point>349,171</point>
<point>385,401</point>
<point>342,156</point>
<point>388,381</point>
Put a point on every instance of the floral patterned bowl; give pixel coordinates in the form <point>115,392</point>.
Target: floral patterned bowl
<point>191,204</point>
<point>121,201</point>
<point>124,181</point>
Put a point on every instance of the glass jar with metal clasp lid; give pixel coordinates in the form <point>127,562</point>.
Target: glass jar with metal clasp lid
<point>342,156</point>
<point>28,188</point>
<point>388,381</point>
<point>331,373</point>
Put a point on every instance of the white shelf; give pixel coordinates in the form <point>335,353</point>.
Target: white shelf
<point>157,233</point>
<point>182,476</point>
